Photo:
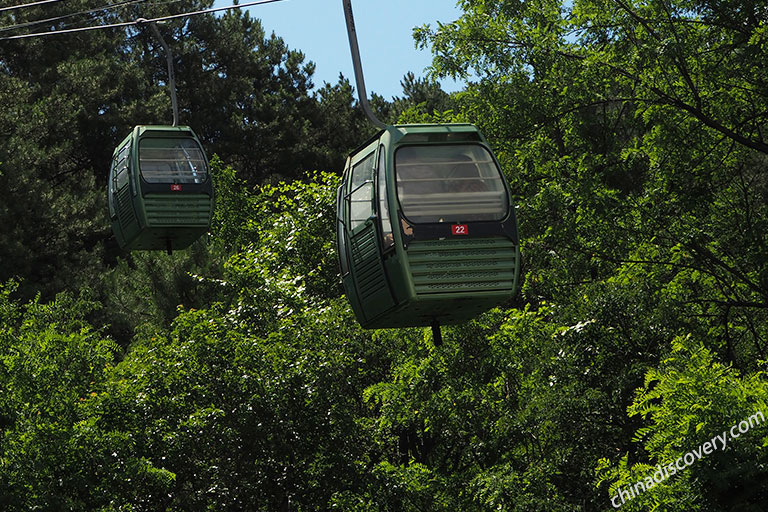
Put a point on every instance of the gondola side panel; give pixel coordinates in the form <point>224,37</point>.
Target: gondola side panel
<point>370,286</point>
<point>124,219</point>
<point>370,280</point>
<point>342,244</point>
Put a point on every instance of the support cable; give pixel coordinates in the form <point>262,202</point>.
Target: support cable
<point>65,16</point>
<point>136,22</point>
<point>33,4</point>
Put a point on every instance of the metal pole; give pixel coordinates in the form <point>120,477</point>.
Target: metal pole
<point>171,76</point>
<point>437,336</point>
<point>353,47</point>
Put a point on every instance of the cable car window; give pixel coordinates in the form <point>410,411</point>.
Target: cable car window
<point>387,240</point>
<point>123,153</point>
<point>121,168</point>
<point>111,188</point>
<point>361,192</point>
<point>172,160</point>
<point>449,183</point>
<point>342,247</point>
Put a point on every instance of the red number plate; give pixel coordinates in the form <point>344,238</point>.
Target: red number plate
<point>176,188</point>
<point>459,229</point>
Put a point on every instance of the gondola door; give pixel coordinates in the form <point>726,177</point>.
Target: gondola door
<point>366,268</point>
<point>121,205</point>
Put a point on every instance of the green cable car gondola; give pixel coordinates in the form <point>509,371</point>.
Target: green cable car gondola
<point>159,192</point>
<point>427,233</point>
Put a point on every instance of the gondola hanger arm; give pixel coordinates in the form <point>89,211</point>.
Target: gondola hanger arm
<point>359,79</point>
<point>169,60</point>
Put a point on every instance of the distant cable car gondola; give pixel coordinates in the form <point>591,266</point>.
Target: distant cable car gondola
<point>427,233</point>
<point>160,193</point>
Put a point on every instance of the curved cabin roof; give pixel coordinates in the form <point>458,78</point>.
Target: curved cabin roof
<point>426,134</point>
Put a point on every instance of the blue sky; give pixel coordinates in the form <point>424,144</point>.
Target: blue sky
<point>316,27</point>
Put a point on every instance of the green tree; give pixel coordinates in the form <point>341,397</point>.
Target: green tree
<point>687,401</point>
<point>631,133</point>
<point>51,360</point>
<point>644,115</point>
<point>422,96</point>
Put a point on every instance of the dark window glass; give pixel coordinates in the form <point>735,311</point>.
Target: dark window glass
<point>361,192</point>
<point>111,189</point>
<point>449,183</point>
<point>172,160</point>
<point>121,167</point>
<point>387,239</point>
<point>341,234</point>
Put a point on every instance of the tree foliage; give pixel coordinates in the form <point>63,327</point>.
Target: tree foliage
<point>233,376</point>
